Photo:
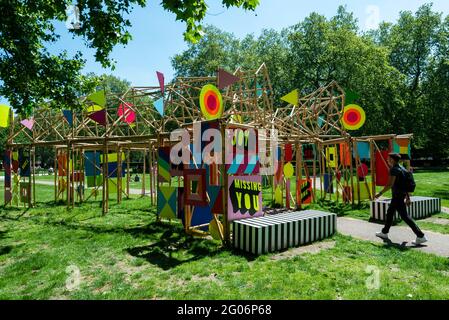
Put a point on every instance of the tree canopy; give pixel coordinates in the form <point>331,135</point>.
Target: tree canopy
<point>30,75</point>
<point>400,71</point>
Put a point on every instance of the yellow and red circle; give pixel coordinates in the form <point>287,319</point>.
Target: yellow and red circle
<point>211,102</point>
<point>354,117</point>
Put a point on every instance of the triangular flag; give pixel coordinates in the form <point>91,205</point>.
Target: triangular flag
<point>4,115</point>
<point>68,115</point>
<point>99,117</point>
<point>159,105</point>
<point>259,90</point>
<point>292,97</point>
<point>93,108</point>
<point>321,120</point>
<point>29,123</point>
<point>226,79</point>
<point>160,78</point>
<point>98,97</point>
<point>126,113</point>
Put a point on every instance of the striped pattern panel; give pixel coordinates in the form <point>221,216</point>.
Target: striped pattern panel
<point>282,231</point>
<point>420,208</point>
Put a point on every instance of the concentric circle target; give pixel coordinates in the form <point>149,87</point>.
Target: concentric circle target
<point>353,117</point>
<point>211,102</point>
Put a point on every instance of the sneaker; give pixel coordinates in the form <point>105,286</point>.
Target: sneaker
<point>382,235</point>
<point>419,240</point>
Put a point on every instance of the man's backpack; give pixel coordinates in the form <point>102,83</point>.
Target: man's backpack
<point>409,184</point>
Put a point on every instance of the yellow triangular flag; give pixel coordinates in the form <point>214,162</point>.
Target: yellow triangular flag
<point>278,199</point>
<point>292,97</point>
<point>98,97</point>
<point>4,115</point>
<point>93,108</point>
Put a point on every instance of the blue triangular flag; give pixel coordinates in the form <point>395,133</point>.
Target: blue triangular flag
<point>68,115</point>
<point>259,90</point>
<point>321,120</point>
<point>159,105</point>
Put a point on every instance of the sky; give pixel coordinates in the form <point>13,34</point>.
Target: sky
<point>157,36</point>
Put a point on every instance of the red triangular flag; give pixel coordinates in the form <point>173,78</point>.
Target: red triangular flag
<point>99,117</point>
<point>160,78</point>
<point>226,79</point>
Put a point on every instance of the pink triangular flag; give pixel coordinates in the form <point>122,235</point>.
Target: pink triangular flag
<point>99,116</point>
<point>160,78</point>
<point>126,113</point>
<point>29,123</point>
<point>226,79</point>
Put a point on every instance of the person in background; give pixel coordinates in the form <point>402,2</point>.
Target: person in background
<point>399,200</point>
<point>362,170</point>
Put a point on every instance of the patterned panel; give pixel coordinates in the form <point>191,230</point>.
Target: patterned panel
<point>420,208</point>
<point>282,231</point>
<point>163,164</point>
<point>241,156</point>
<point>244,197</point>
<point>167,202</point>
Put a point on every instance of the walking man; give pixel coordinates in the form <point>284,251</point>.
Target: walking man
<point>399,200</point>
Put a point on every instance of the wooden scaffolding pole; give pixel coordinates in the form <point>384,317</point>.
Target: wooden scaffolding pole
<point>55,173</point>
<point>144,171</point>
<point>34,176</point>
<point>151,174</point>
<point>128,176</point>
<point>226,225</point>
<point>67,172</point>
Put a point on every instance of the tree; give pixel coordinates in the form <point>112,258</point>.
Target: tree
<point>220,49</point>
<point>417,46</point>
<point>216,49</point>
<point>400,71</point>
<point>30,75</point>
<point>111,83</point>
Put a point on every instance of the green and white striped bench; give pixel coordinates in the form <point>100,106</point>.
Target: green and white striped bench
<point>420,208</point>
<point>278,232</point>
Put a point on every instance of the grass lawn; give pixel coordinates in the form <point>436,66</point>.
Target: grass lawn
<point>127,254</point>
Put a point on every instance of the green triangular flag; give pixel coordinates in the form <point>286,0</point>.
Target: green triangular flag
<point>292,97</point>
<point>98,97</point>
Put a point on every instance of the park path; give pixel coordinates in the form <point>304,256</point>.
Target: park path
<point>400,236</point>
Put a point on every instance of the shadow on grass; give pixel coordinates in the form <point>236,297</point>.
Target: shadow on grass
<point>442,193</point>
<point>5,250</point>
<point>342,209</point>
<point>7,215</point>
<point>175,248</point>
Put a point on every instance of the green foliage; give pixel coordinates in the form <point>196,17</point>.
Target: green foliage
<point>111,83</point>
<point>215,49</point>
<point>418,49</point>
<point>400,71</point>
<point>30,75</point>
